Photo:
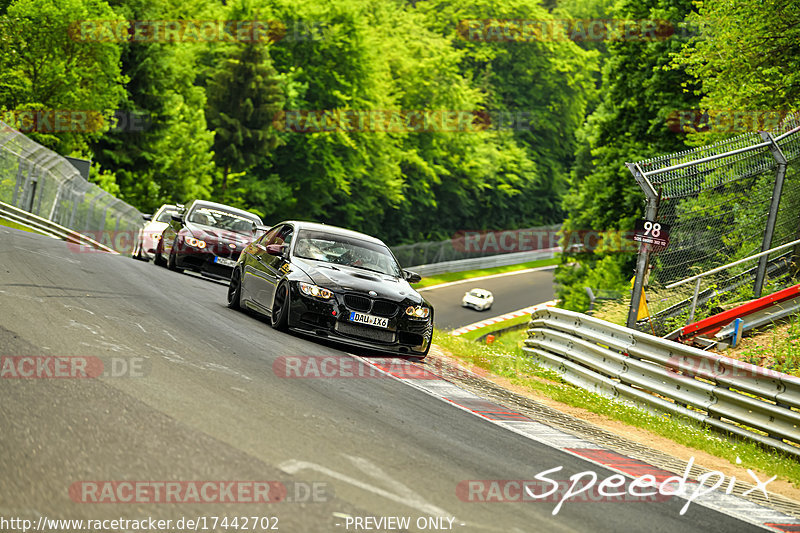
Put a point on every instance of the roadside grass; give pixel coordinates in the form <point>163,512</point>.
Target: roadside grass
<point>776,348</point>
<point>11,224</point>
<point>474,334</point>
<point>505,358</point>
<point>457,276</point>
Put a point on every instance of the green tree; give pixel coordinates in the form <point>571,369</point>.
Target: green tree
<point>746,54</point>
<point>166,157</point>
<point>47,66</point>
<point>630,124</point>
<point>244,95</point>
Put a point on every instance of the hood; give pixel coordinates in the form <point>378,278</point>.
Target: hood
<point>212,234</point>
<point>354,279</point>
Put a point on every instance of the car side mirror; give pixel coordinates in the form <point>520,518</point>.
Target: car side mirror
<point>275,249</point>
<point>147,217</point>
<point>177,218</point>
<point>411,277</point>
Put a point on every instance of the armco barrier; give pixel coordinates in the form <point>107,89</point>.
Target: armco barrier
<point>491,261</point>
<point>38,181</point>
<point>658,374</point>
<point>42,225</point>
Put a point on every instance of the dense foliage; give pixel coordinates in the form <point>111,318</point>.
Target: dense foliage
<point>407,120</point>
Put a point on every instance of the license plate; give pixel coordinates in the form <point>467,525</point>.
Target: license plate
<point>370,320</point>
<point>225,262</point>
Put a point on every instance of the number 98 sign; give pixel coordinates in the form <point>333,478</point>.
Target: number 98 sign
<point>651,232</point>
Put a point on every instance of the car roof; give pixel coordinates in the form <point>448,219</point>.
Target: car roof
<point>208,203</point>
<point>479,291</point>
<point>299,224</point>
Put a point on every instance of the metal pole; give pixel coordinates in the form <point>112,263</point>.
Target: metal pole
<point>780,173</point>
<point>694,302</point>
<point>642,260</point>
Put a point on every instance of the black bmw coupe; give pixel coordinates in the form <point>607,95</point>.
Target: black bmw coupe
<point>334,283</point>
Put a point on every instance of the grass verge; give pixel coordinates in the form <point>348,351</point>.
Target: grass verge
<point>11,224</point>
<point>505,358</point>
<point>475,333</point>
<point>467,274</point>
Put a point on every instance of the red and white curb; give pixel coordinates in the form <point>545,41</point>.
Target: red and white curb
<point>421,379</point>
<point>501,318</point>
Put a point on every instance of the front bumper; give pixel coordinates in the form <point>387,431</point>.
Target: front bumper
<point>330,319</point>
<point>208,261</point>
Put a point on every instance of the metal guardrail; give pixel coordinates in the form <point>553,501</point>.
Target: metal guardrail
<point>39,181</point>
<point>618,362</point>
<point>484,262</point>
<point>42,225</point>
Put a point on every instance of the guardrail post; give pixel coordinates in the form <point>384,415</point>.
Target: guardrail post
<point>643,258</point>
<point>780,173</point>
<point>18,184</point>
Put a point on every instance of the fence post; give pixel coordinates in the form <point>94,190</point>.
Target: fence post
<point>780,173</point>
<point>642,261</point>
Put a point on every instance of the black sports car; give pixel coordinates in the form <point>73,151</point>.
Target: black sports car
<point>333,283</point>
<point>207,238</point>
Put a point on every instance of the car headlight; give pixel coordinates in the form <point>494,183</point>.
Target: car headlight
<point>197,243</point>
<point>418,311</point>
<point>315,291</point>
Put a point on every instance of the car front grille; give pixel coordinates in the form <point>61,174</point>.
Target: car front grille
<point>357,303</point>
<point>365,332</point>
<point>382,308</point>
<point>221,249</point>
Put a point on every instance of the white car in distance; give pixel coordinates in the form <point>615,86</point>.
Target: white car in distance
<point>478,299</point>
<point>148,236</point>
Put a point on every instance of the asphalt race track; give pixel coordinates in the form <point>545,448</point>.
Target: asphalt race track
<point>511,293</point>
<point>206,405</point>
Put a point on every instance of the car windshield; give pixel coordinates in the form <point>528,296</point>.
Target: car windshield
<point>345,250</point>
<point>222,219</point>
<point>478,294</point>
<point>165,215</point>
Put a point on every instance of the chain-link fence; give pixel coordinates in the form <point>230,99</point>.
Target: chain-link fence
<point>723,203</point>
<point>40,181</point>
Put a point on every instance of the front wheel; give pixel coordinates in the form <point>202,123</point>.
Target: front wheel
<point>235,290</point>
<point>280,308</point>
<point>158,259</point>
<point>172,261</point>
